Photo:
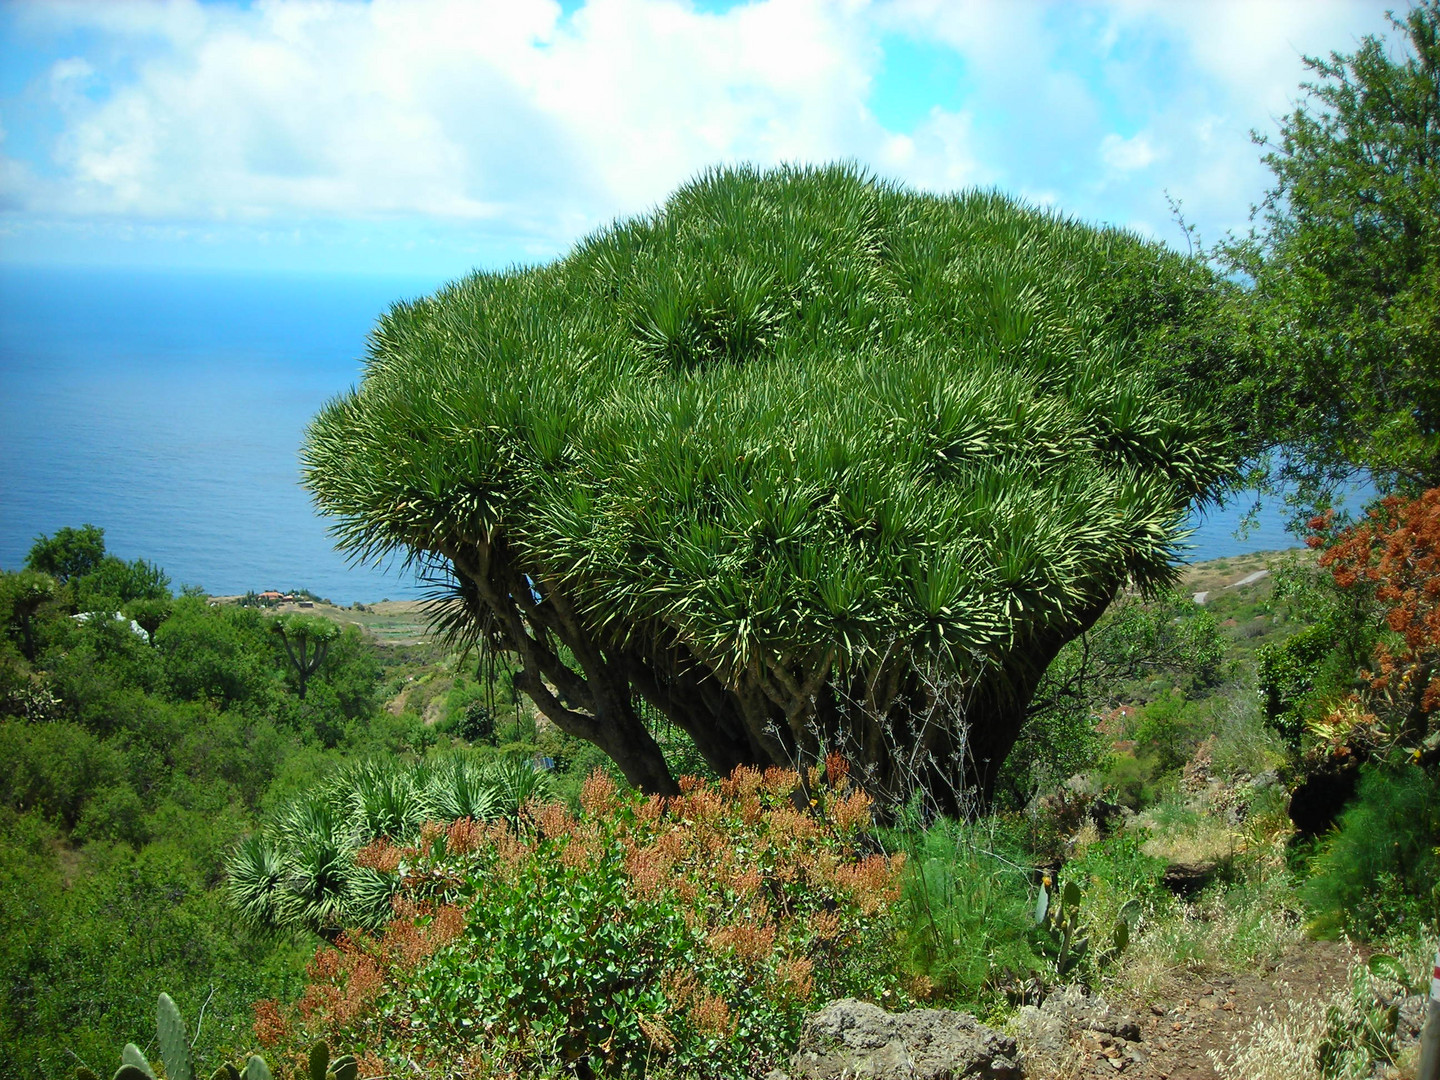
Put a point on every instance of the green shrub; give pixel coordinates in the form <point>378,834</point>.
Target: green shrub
<point>967,907</point>
<point>56,768</point>
<point>1128,780</point>
<point>1119,883</point>
<point>1167,730</point>
<point>86,941</point>
<point>1244,742</point>
<point>300,870</point>
<point>1379,872</point>
<point>689,935</point>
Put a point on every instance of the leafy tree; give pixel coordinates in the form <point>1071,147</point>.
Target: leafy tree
<point>69,553</point>
<point>803,460</point>
<point>1135,640</point>
<point>1346,268</point>
<point>223,654</point>
<point>21,595</point>
<point>351,670</point>
<point>148,613</point>
<point>77,558</point>
<point>306,639</point>
<point>114,583</point>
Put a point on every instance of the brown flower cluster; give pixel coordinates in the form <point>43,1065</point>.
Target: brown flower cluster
<point>796,976</point>
<point>873,881</point>
<point>752,944</point>
<point>1395,551</point>
<point>270,1026</point>
<point>382,855</point>
<point>344,983</point>
<point>771,883</point>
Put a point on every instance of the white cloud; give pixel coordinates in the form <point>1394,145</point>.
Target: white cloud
<point>471,111</point>
<point>1127,155</point>
<point>1253,48</point>
<point>503,117</point>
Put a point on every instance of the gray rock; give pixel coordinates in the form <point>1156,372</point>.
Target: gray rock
<point>854,1040</point>
<point>1044,1031</point>
<point>1267,779</point>
<point>1094,1014</point>
<point>1041,1035</point>
<point>1411,1019</point>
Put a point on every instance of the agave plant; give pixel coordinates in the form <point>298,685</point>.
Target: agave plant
<point>459,788</point>
<point>319,843</point>
<point>257,874</point>
<point>301,869</point>
<point>788,460</point>
<point>516,781</point>
<point>388,800</point>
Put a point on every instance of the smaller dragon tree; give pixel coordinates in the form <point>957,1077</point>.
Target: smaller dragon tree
<point>307,641</point>
<point>803,460</point>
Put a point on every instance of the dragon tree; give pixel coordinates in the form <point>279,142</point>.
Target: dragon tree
<point>803,459</point>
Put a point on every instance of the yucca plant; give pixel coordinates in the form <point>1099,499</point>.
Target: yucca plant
<point>387,801</point>
<point>789,459</point>
<point>515,781</point>
<point>300,870</point>
<point>459,788</point>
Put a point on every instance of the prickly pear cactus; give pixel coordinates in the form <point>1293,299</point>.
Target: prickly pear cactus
<point>174,1040</point>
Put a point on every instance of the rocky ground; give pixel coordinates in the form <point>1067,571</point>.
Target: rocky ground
<point>1206,1017</point>
<point>1199,1030</point>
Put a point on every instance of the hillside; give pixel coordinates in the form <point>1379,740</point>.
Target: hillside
<point>1158,787</point>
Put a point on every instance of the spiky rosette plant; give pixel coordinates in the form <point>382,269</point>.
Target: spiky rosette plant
<point>301,869</point>
<point>802,459</point>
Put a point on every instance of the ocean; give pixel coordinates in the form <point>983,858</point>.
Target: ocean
<point>168,408</point>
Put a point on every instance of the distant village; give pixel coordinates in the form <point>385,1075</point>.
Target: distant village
<point>273,598</point>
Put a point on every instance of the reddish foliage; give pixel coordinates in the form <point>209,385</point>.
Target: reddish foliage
<point>777,895</point>
<point>1396,550</point>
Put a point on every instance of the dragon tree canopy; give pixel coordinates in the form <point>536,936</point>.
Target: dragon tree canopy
<point>804,459</point>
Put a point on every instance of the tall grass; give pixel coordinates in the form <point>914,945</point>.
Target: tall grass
<point>966,901</point>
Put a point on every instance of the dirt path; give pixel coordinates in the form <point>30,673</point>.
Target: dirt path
<point>1205,1014</point>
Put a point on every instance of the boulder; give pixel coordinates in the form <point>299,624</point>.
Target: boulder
<point>1044,1031</point>
<point>854,1040</point>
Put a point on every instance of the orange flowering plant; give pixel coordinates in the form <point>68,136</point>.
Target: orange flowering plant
<point>1395,554</point>
<point>684,936</point>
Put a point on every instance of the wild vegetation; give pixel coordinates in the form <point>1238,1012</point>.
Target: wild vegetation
<point>826,508</point>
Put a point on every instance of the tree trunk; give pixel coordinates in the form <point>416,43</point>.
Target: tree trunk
<point>901,732</point>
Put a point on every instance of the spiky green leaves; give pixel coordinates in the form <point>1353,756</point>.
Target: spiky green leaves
<point>796,432</point>
<point>792,411</point>
<point>301,870</point>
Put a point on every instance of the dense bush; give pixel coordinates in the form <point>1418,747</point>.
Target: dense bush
<point>967,902</point>
<point>85,940</point>
<point>133,761</point>
<point>1380,871</point>
<point>302,871</point>
<point>686,936</point>
<point>1137,641</point>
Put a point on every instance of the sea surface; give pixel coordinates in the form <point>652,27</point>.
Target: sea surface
<point>168,408</point>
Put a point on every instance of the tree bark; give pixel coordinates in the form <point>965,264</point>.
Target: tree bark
<point>947,736</point>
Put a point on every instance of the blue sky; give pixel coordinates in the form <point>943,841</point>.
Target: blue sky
<point>430,136</point>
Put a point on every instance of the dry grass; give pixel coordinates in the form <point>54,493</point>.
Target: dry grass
<point>1218,574</point>
<point>1282,1044</point>
<point>1206,843</point>
<point>1336,1037</point>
